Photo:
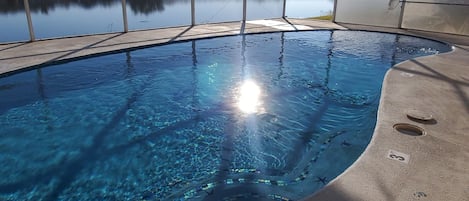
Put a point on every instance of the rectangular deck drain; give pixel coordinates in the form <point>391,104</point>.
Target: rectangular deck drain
<point>398,156</point>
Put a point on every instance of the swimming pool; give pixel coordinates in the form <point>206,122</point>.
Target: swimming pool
<point>268,117</point>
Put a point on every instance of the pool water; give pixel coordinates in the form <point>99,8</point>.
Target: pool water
<point>169,122</point>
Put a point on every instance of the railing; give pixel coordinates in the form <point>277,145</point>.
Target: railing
<point>436,16</point>
<point>449,16</point>
<point>124,15</point>
<point>436,3</point>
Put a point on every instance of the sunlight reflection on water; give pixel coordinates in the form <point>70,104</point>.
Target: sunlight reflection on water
<point>249,97</point>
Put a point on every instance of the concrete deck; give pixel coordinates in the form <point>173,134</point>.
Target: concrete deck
<point>17,56</point>
<point>436,165</point>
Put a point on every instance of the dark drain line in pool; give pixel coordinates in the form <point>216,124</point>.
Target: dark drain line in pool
<point>303,175</point>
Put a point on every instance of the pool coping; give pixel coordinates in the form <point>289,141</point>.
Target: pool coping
<point>433,166</point>
<point>436,164</point>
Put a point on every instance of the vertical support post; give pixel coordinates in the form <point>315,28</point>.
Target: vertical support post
<point>124,16</point>
<point>244,11</point>
<point>193,12</point>
<point>284,9</point>
<point>401,16</point>
<point>30,22</point>
<point>334,11</point>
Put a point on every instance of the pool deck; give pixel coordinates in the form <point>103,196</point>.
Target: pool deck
<point>434,166</point>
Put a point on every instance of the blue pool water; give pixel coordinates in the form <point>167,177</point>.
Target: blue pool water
<point>168,122</point>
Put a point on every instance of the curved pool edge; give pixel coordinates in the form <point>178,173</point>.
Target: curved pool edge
<point>397,166</point>
<point>23,56</point>
<point>435,163</point>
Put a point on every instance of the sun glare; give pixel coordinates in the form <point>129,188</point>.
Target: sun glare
<point>249,98</point>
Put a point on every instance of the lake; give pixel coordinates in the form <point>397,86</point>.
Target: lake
<point>58,18</point>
